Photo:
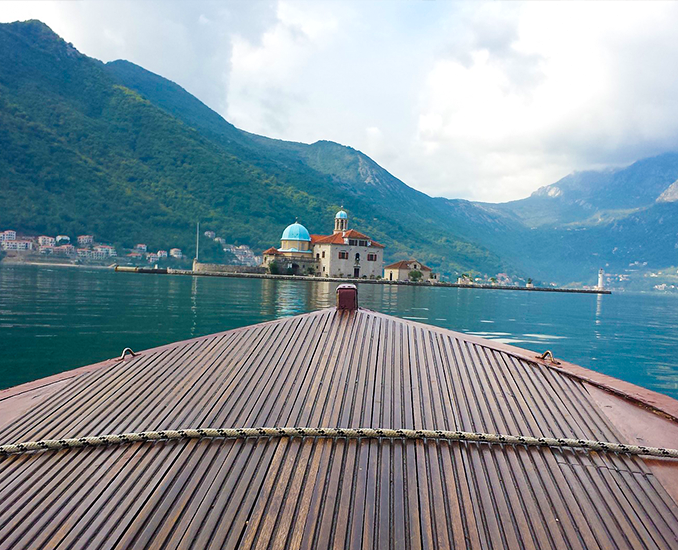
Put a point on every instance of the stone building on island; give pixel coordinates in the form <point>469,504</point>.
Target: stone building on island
<point>400,271</point>
<point>295,255</point>
<point>344,253</point>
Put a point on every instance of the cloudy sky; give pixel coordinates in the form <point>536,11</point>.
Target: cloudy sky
<point>484,101</point>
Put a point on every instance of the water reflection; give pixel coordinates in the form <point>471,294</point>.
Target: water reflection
<point>194,304</point>
<point>290,299</point>
<point>286,298</point>
<point>52,319</point>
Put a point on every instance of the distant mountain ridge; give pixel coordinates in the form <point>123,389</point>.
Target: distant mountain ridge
<point>583,195</point>
<point>614,219</point>
<point>116,150</point>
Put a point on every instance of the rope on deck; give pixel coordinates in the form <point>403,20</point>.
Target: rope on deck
<point>335,433</point>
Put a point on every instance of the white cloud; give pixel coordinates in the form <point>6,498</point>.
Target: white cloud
<point>485,101</point>
<point>587,100</point>
<point>265,78</point>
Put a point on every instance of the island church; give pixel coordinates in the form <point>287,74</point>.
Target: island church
<point>345,253</point>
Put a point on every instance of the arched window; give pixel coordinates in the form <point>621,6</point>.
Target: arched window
<point>357,257</point>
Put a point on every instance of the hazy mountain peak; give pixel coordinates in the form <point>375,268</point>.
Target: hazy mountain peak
<point>548,191</point>
<point>671,193</point>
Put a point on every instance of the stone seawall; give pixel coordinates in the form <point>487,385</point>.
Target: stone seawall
<point>381,281</point>
<point>202,268</point>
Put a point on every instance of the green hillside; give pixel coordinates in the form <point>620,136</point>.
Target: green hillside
<point>119,152</point>
<point>408,221</point>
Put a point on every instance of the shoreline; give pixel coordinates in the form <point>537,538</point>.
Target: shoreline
<point>50,264</point>
<point>170,271</point>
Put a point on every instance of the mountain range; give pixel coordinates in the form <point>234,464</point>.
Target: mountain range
<point>115,150</point>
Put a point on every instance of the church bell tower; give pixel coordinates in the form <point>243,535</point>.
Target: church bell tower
<point>340,221</point>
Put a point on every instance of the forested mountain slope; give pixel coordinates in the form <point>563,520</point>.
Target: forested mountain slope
<point>119,152</point>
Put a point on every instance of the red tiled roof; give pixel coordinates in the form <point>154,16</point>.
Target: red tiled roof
<point>405,264</point>
<point>271,250</point>
<point>338,238</point>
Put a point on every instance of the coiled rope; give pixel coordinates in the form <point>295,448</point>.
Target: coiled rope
<point>335,433</point>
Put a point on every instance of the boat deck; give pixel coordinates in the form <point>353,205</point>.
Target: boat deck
<point>333,368</point>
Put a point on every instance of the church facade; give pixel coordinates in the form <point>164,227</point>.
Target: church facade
<point>344,253</point>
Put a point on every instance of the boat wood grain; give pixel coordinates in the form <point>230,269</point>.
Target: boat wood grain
<point>336,369</point>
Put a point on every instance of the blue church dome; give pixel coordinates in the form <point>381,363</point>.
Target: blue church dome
<point>295,232</point>
<point>341,215</point>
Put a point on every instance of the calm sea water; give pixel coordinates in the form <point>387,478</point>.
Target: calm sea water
<point>54,319</point>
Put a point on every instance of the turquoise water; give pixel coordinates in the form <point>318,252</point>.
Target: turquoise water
<point>54,319</point>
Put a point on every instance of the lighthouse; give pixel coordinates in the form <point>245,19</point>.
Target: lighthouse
<point>601,282</point>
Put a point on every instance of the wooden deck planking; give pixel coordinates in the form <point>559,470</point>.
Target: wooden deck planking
<point>327,368</point>
<point>558,416</point>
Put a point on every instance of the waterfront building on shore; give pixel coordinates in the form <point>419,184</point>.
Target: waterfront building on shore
<point>44,240</point>
<point>141,248</point>
<point>106,250</point>
<point>504,279</point>
<point>84,240</point>
<point>345,253</point>
<point>99,252</point>
<point>64,250</point>
<point>176,253</point>
<point>404,270</point>
<point>243,254</point>
<point>22,245</point>
<point>8,235</point>
<point>91,254</point>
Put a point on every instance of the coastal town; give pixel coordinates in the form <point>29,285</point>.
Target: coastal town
<point>345,254</point>
<point>83,247</point>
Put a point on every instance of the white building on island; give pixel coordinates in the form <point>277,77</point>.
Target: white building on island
<point>344,253</point>
<point>402,270</point>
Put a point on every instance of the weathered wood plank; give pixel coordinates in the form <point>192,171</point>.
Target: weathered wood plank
<point>327,368</point>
